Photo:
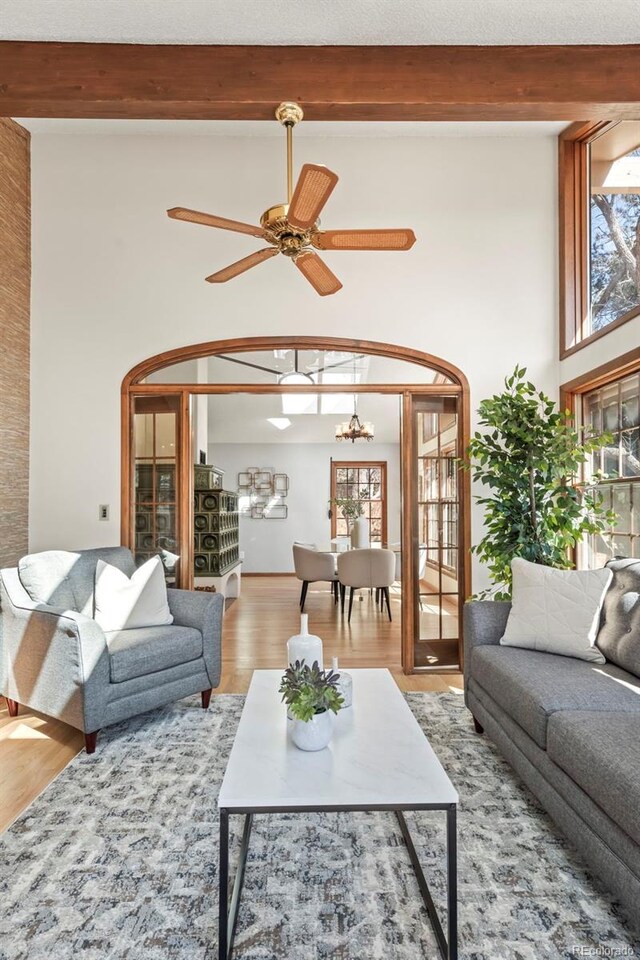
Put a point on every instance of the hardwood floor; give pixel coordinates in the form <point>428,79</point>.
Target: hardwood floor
<point>35,748</point>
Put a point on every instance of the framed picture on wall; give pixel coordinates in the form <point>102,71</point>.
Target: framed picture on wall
<point>276,510</point>
<point>280,484</point>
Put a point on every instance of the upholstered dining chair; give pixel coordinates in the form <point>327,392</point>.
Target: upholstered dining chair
<point>372,568</point>
<point>56,659</point>
<point>311,566</point>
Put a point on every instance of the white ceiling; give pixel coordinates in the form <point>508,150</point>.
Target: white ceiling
<point>244,418</point>
<point>257,128</point>
<point>323,21</point>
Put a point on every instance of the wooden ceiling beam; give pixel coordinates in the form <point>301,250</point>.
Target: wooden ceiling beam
<point>332,83</point>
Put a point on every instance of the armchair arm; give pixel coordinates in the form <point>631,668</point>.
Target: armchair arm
<point>204,612</point>
<point>484,623</point>
<point>54,661</point>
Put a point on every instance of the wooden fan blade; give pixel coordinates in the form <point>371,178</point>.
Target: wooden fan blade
<point>312,191</point>
<point>318,274</point>
<point>364,239</point>
<point>210,220</point>
<point>228,273</point>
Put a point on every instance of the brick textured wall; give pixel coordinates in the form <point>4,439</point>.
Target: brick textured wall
<point>15,282</point>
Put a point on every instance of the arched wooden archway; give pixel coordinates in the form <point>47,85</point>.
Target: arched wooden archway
<point>134,388</point>
<point>246,344</point>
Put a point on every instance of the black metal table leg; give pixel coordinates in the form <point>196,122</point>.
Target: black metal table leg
<point>223,885</point>
<point>448,946</point>
<point>452,883</point>
<point>228,911</point>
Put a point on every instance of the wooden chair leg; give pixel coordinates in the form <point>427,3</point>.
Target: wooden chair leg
<point>351,593</point>
<point>343,591</point>
<point>385,591</point>
<point>90,740</point>
<point>478,726</point>
<point>12,707</point>
<point>303,595</point>
<point>206,698</point>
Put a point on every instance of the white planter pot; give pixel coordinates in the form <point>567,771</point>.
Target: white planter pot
<point>313,734</point>
<point>360,533</point>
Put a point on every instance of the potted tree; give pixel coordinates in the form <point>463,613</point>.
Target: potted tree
<point>312,700</point>
<point>528,458</point>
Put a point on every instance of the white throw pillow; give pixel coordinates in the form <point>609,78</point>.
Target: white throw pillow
<point>122,603</point>
<point>557,611</point>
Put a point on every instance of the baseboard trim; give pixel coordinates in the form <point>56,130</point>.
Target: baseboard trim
<point>283,574</point>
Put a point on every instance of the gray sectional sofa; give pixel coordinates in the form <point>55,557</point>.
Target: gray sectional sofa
<point>571,728</point>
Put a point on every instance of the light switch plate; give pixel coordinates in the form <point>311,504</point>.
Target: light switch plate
<point>103,511</point>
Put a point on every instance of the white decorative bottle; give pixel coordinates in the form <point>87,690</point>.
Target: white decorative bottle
<point>345,684</point>
<point>305,646</point>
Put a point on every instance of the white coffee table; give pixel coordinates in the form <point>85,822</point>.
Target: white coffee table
<point>378,759</point>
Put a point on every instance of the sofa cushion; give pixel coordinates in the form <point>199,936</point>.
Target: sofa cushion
<point>557,611</point>
<point>530,686</point>
<point>619,635</point>
<point>145,650</point>
<point>600,751</point>
<point>65,579</point>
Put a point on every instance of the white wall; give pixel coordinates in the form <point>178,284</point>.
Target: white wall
<point>614,344</point>
<point>267,543</point>
<point>114,280</point>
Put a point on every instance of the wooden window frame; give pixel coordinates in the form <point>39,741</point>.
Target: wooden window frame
<point>622,366</point>
<point>357,465</point>
<point>573,198</point>
<point>572,392</point>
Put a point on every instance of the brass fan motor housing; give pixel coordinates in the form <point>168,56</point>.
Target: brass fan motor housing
<point>288,114</point>
<point>277,230</point>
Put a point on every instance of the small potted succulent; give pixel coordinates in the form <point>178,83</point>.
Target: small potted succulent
<point>312,700</point>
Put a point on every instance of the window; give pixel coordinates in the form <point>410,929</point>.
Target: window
<point>368,483</point>
<point>615,409</point>
<point>600,230</point>
<point>614,224</point>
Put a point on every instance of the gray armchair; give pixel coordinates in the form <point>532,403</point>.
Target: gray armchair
<point>55,658</point>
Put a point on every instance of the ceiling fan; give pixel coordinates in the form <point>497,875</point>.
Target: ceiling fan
<point>292,228</point>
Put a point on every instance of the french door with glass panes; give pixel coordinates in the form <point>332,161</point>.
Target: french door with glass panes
<point>365,481</point>
<point>436,531</point>
<point>159,505</point>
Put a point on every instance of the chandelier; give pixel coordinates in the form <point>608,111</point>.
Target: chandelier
<point>354,430</point>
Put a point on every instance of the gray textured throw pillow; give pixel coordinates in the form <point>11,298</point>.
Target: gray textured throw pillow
<point>619,636</point>
<point>556,611</point>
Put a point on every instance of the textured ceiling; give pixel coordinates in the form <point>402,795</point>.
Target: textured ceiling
<point>323,21</point>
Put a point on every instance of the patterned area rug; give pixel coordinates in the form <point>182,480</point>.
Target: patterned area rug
<point>118,859</point>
